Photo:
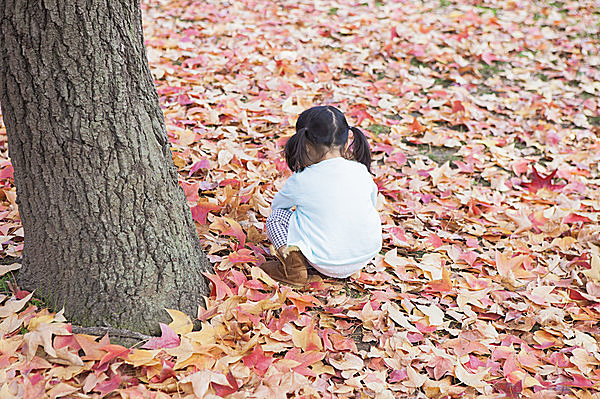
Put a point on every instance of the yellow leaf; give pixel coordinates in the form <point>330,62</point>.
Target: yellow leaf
<point>182,352</point>
<point>470,379</point>
<point>13,306</point>
<point>66,373</point>
<point>307,339</point>
<point>42,336</point>
<point>465,296</point>
<point>10,345</point>
<point>349,361</point>
<point>286,365</point>
<point>198,360</point>
<point>505,262</point>
<point>398,317</point>
<point>433,313</point>
<point>66,357</point>
<point>320,368</point>
<point>593,273</point>
<point>201,380</point>
<point>186,137</point>
<point>432,264</point>
<point>529,382</point>
<point>145,357</point>
<point>442,173</point>
<point>289,108</point>
<point>259,274</point>
<point>7,268</point>
<point>416,379</point>
<point>36,321</point>
<point>10,324</point>
<point>181,323</point>
<point>563,243</point>
<point>206,336</point>
<point>393,259</point>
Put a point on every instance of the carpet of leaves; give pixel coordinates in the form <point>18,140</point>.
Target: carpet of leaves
<point>484,125</point>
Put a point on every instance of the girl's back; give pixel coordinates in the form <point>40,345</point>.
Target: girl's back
<point>335,222</point>
<point>335,226</point>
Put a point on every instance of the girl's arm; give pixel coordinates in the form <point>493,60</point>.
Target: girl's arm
<point>374,195</point>
<point>287,197</point>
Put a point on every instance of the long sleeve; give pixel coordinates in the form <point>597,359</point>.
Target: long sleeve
<point>287,197</point>
<point>374,195</point>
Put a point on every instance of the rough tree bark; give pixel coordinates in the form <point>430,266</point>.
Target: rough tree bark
<point>108,233</point>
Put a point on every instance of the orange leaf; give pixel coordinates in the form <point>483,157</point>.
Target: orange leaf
<point>113,352</point>
<point>92,349</point>
<point>303,301</point>
<point>415,126</point>
<point>443,285</point>
<point>230,227</point>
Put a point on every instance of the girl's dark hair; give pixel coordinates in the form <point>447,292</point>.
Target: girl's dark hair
<point>324,127</point>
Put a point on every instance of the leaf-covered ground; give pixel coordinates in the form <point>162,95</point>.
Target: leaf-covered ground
<point>484,124</point>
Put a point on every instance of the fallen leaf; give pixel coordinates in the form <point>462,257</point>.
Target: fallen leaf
<point>181,323</point>
<point>168,339</point>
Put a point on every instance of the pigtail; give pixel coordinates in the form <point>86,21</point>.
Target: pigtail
<point>360,148</point>
<point>295,151</point>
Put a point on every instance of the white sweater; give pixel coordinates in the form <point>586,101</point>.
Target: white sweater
<point>335,225</point>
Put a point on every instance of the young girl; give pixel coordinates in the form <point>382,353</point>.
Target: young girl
<point>335,226</point>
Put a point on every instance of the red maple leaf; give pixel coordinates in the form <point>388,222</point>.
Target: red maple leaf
<point>538,181</point>
<point>114,351</point>
<point>575,218</point>
<point>257,360</point>
<point>415,126</point>
<point>224,390</point>
<point>510,390</point>
<point>243,255</point>
<point>360,113</point>
<point>201,210</point>
<point>457,107</point>
<point>108,385</point>
<point>190,190</point>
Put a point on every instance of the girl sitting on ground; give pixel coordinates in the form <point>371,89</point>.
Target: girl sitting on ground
<point>335,227</point>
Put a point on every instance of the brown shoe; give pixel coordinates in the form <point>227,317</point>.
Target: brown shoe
<point>291,270</point>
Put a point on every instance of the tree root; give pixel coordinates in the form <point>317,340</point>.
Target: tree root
<point>111,331</point>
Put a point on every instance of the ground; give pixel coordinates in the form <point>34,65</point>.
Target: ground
<point>484,128</point>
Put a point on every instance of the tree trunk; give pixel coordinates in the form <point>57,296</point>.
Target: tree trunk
<point>108,233</point>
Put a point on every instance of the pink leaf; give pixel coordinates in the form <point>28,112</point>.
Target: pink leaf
<point>575,218</point>
<point>581,381</point>
<point>258,361</point>
<point>109,385</point>
<point>202,164</point>
<point>221,290</point>
<point>398,375</point>
<point>399,158</point>
<point>191,191</point>
<point>168,339</point>
<point>243,255</point>
<point>201,210</point>
<point>489,58</point>
<point>7,173</point>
